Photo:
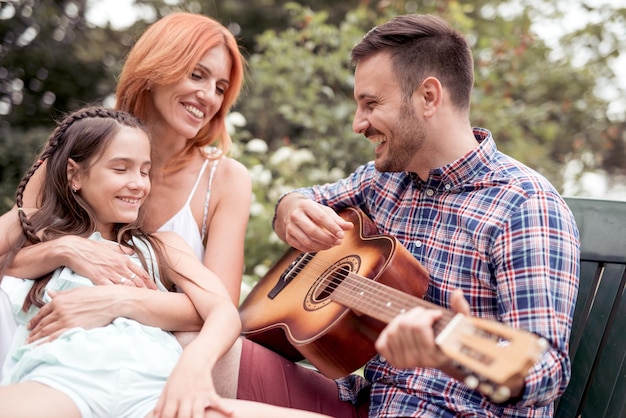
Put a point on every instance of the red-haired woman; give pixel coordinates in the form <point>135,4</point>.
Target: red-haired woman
<point>180,79</point>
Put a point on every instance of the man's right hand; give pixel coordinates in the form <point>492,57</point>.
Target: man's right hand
<point>307,225</point>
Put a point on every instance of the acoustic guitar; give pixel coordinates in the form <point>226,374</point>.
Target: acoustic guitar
<point>330,306</point>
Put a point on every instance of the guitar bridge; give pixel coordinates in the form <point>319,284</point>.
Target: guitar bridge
<point>288,275</point>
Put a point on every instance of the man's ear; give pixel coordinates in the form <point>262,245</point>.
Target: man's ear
<point>431,93</point>
<point>73,174</point>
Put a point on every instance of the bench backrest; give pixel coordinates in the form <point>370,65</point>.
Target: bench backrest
<point>598,340</point>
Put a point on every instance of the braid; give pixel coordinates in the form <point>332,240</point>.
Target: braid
<point>53,142</point>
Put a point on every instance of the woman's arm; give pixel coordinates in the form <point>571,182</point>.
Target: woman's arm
<point>103,263</point>
<point>91,307</point>
<point>227,225</point>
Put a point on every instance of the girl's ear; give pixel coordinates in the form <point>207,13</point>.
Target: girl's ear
<point>73,175</point>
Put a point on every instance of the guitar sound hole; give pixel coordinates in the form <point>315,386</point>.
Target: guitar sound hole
<point>330,283</point>
<point>319,295</point>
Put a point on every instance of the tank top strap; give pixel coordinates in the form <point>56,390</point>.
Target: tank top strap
<point>208,197</point>
<point>195,186</point>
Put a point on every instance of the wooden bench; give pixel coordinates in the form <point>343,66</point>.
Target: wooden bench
<point>598,341</point>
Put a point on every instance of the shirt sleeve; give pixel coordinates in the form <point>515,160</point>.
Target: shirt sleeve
<point>537,261</point>
<point>351,191</point>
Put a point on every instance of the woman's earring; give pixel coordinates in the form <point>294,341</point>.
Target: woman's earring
<point>74,188</point>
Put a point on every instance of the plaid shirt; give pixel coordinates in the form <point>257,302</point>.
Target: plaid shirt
<point>499,231</point>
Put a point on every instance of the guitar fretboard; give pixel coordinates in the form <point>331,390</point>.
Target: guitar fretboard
<point>380,301</point>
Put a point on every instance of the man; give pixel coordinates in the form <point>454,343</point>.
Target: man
<point>484,226</point>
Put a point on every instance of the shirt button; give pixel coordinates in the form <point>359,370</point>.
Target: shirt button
<point>430,192</point>
<point>418,244</point>
<point>447,187</point>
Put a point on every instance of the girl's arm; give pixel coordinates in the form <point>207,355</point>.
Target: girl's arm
<point>191,384</point>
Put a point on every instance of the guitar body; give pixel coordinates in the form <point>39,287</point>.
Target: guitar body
<point>291,309</point>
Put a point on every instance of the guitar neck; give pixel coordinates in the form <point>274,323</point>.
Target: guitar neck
<point>380,301</point>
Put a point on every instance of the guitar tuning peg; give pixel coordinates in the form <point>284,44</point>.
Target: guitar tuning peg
<point>502,394</point>
<point>471,381</point>
<point>486,389</point>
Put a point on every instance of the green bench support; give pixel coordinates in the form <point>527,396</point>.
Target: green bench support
<point>598,341</point>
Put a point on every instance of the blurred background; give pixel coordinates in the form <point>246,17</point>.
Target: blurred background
<point>550,85</point>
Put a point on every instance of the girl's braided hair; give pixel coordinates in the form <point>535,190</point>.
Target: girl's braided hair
<point>81,136</point>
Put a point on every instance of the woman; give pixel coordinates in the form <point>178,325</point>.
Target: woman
<point>98,165</point>
<point>180,79</point>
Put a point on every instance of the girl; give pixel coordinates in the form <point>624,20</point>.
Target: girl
<point>98,165</point>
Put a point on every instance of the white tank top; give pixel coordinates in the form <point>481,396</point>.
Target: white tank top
<point>183,222</point>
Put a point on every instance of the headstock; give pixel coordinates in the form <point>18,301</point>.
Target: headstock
<point>491,354</point>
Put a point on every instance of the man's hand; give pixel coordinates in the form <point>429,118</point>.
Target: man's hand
<point>307,225</point>
<point>408,341</point>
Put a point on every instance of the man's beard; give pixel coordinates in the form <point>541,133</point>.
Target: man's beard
<point>406,139</point>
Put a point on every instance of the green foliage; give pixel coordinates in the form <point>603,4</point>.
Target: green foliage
<point>51,63</point>
<point>300,91</point>
<point>299,98</point>
<point>17,150</point>
<point>292,124</point>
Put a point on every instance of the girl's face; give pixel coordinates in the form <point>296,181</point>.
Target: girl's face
<point>183,108</point>
<point>118,181</point>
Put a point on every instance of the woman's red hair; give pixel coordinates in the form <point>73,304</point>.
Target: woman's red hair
<point>167,52</point>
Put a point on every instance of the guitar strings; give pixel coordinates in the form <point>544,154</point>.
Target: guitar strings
<point>383,298</point>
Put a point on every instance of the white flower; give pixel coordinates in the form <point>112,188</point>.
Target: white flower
<point>302,156</point>
<point>260,175</point>
<point>235,120</point>
<point>281,155</point>
<point>260,270</point>
<point>257,146</point>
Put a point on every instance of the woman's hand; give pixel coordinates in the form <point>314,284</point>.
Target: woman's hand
<point>86,307</point>
<point>101,262</point>
<point>104,263</point>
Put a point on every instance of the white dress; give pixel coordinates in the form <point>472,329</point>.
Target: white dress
<point>88,365</point>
